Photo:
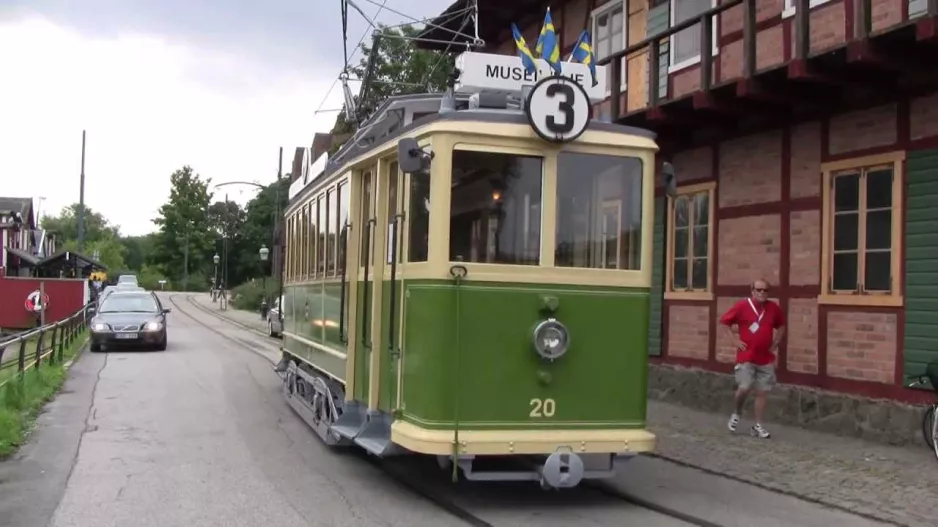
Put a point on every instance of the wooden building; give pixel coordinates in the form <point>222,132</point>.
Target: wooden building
<point>805,139</point>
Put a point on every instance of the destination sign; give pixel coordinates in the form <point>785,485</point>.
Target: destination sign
<point>504,73</point>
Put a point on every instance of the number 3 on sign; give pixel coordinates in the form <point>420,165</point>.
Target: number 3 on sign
<point>542,408</point>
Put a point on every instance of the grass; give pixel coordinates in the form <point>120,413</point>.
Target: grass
<point>22,399</point>
<point>12,353</point>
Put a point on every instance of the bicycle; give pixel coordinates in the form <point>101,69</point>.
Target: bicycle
<point>930,419</point>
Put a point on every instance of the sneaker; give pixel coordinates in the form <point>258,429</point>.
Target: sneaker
<point>734,421</point>
<point>758,431</point>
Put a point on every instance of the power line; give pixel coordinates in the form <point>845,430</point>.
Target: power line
<point>349,58</point>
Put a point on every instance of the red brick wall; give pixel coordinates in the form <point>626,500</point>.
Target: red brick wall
<point>768,224</point>
<point>689,331</point>
<point>862,346</point>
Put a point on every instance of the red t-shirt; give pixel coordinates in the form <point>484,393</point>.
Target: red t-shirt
<point>757,342</point>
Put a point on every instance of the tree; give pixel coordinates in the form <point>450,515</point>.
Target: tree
<point>398,68</point>
<point>101,238</point>
<point>258,227</point>
<point>184,222</point>
<point>138,250</point>
<point>65,225</point>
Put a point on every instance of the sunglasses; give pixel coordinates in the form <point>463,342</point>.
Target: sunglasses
<point>761,289</point>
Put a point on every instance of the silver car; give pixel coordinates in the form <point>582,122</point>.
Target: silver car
<point>274,322</point>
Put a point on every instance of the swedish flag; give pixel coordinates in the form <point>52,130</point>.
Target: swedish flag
<point>527,59</point>
<point>583,53</point>
<point>547,47</point>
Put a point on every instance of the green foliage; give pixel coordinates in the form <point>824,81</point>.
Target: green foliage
<point>65,224</point>
<point>248,295</point>
<point>100,235</point>
<point>248,229</point>
<point>138,250</point>
<point>399,68</point>
<point>183,223</point>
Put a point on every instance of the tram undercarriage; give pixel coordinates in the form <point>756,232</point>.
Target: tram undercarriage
<point>320,401</point>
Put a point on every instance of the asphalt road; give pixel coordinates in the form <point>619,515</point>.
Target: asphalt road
<point>198,435</point>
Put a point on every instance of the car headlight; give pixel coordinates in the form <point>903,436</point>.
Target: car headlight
<point>551,339</point>
<point>98,326</point>
<point>152,326</point>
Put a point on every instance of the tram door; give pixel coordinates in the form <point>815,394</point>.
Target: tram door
<point>366,287</point>
<point>380,206</point>
<point>392,314</point>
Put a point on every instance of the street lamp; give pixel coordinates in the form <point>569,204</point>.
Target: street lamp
<point>264,252</point>
<point>215,259</point>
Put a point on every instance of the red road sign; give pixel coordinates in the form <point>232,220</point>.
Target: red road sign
<point>33,302</point>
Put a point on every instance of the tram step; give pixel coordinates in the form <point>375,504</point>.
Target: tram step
<point>352,420</point>
<point>375,436</point>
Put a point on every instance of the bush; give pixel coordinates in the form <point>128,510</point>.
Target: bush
<point>248,295</point>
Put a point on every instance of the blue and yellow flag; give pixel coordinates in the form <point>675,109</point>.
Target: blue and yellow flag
<point>547,47</point>
<point>583,53</point>
<point>527,59</point>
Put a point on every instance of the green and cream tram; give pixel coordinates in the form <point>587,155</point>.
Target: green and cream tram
<point>467,277</point>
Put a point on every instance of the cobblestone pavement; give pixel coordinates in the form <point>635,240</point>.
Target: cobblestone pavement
<point>894,484</point>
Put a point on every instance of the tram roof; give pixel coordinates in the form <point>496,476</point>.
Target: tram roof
<point>388,121</point>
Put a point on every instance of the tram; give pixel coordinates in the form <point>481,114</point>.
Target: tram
<point>469,277</point>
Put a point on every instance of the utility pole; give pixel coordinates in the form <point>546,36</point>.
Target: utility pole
<point>278,245</point>
<point>81,198</point>
<point>185,263</point>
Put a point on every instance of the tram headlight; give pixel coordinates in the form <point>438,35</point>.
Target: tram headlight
<point>551,339</point>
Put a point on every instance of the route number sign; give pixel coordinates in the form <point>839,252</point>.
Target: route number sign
<point>558,109</point>
<point>37,301</point>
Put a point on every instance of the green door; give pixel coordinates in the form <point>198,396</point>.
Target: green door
<point>921,262</point>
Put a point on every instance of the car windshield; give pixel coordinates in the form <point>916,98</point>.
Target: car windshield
<point>129,304</point>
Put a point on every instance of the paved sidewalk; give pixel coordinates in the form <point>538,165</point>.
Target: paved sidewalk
<point>251,319</point>
<point>894,484</point>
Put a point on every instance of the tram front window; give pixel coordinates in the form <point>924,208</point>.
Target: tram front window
<point>599,211</point>
<point>495,208</point>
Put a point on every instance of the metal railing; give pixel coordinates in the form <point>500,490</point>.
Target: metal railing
<point>51,341</point>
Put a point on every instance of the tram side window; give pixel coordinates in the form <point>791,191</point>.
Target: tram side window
<point>323,210</point>
<point>342,197</point>
<point>367,212</point>
<point>418,218</point>
<point>290,246</point>
<point>599,211</point>
<point>309,237</point>
<point>331,213</point>
<point>495,208</point>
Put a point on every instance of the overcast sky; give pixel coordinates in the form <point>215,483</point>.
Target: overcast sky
<point>158,84</point>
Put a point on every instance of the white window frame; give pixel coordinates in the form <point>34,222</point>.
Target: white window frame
<point>693,61</point>
<point>917,8</point>
<point>606,8</point>
<point>789,7</point>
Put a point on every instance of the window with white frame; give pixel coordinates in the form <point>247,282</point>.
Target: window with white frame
<point>609,35</point>
<point>790,7</point>
<point>685,45</point>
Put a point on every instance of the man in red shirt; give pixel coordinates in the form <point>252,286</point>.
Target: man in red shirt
<point>756,325</point>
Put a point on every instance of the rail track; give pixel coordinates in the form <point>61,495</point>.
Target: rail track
<point>395,472</point>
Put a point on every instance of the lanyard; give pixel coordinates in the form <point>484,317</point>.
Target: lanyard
<point>756,312</point>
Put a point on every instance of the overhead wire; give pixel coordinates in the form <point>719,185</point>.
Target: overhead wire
<point>348,59</point>
<point>416,20</point>
<point>471,13</point>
